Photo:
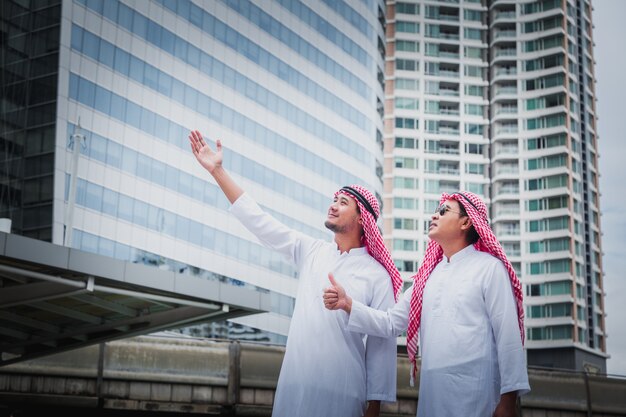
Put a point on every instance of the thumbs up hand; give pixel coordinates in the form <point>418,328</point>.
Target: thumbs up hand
<point>335,297</point>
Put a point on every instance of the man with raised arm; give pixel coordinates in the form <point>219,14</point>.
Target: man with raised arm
<point>466,306</point>
<point>327,370</point>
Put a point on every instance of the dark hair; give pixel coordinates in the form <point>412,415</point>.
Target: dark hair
<point>472,234</point>
<point>361,199</point>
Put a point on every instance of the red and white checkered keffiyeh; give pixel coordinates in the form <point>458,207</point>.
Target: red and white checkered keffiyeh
<point>373,240</point>
<point>477,212</point>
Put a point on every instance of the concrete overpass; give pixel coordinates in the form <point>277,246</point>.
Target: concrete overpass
<point>172,376</point>
<point>54,299</point>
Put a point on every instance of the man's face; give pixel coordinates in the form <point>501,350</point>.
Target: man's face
<point>343,215</point>
<point>448,226</point>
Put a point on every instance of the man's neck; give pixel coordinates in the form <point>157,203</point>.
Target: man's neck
<point>347,243</point>
<point>452,248</point>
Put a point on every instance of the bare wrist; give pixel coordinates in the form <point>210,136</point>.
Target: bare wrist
<point>217,171</point>
<point>348,307</point>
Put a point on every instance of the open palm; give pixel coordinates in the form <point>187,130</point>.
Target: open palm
<point>204,154</point>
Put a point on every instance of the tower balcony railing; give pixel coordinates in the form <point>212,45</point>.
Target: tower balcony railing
<point>506,71</point>
<point>506,129</point>
<point>505,34</point>
<point>443,151</point>
<point>448,151</point>
<point>508,191</point>
<point>448,131</point>
<point>444,54</point>
<point>513,252</point>
<point>448,73</point>
<point>505,52</point>
<point>506,110</point>
<point>448,171</point>
<point>443,35</point>
<point>506,90</point>
<point>446,17</point>
<point>508,232</point>
<point>507,170</point>
<point>507,150</point>
<point>508,212</point>
<point>504,15</point>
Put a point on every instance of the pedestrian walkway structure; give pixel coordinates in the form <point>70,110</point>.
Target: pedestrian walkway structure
<point>54,299</point>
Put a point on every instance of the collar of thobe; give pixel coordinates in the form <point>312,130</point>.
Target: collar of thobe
<point>362,250</point>
<point>457,257</point>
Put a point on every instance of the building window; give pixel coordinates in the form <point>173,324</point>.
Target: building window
<point>407,8</point>
<point>401,162</point>
<point>407,143</point>
<point>407,64</point>
<point>407,123</point>
<point>407,27</point>
<point>407,46</point>
<point>404,244</point>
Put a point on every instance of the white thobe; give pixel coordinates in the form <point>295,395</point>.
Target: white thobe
<point>469,336</point>
<point>327,370</point>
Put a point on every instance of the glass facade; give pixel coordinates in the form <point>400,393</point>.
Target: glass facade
<point>30,55</point>
<point>497,98</point>
<point>295,92</point>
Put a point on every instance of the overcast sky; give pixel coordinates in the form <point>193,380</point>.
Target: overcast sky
<point>609,18</point>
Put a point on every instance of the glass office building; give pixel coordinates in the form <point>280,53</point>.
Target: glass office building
<point>498,98</point>
<point>109,89</point>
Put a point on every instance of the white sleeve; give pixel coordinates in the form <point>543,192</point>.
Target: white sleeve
<point>502,312</point>
<point>381,352</point>
<point>270,231</point>
<point>393,322</point>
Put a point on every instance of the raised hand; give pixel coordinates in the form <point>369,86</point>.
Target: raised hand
<point>204,154</point>
<point>335,297</point>
<point>212,162</point>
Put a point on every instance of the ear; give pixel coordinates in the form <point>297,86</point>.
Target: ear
<point>467,223</point>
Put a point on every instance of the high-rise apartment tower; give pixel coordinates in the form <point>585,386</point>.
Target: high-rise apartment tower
<point>498,98</point>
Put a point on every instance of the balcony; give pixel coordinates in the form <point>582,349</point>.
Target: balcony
<point>504,34</point>
<point>448,171</point>
<point>508,212</point>
<point>512,252</point>
<point>507,190</point>
<point>504,15</point>
<point>506,148</point>
<point>507,232</point>
<point>446,130</point>
<point>505,71</point>
<point>506,91</point>
<point>449,111</point>
<point>506,110</point>
<point>506,170</point>
<point>449,14</point>
<point>448,73</point>
<point>446,54</point>
<point>505,52</point>
<point>448,92</point>
<point>448,150</point>
<point>506,129</point>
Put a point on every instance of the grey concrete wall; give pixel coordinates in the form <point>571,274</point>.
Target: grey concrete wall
<point>232,378</point>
